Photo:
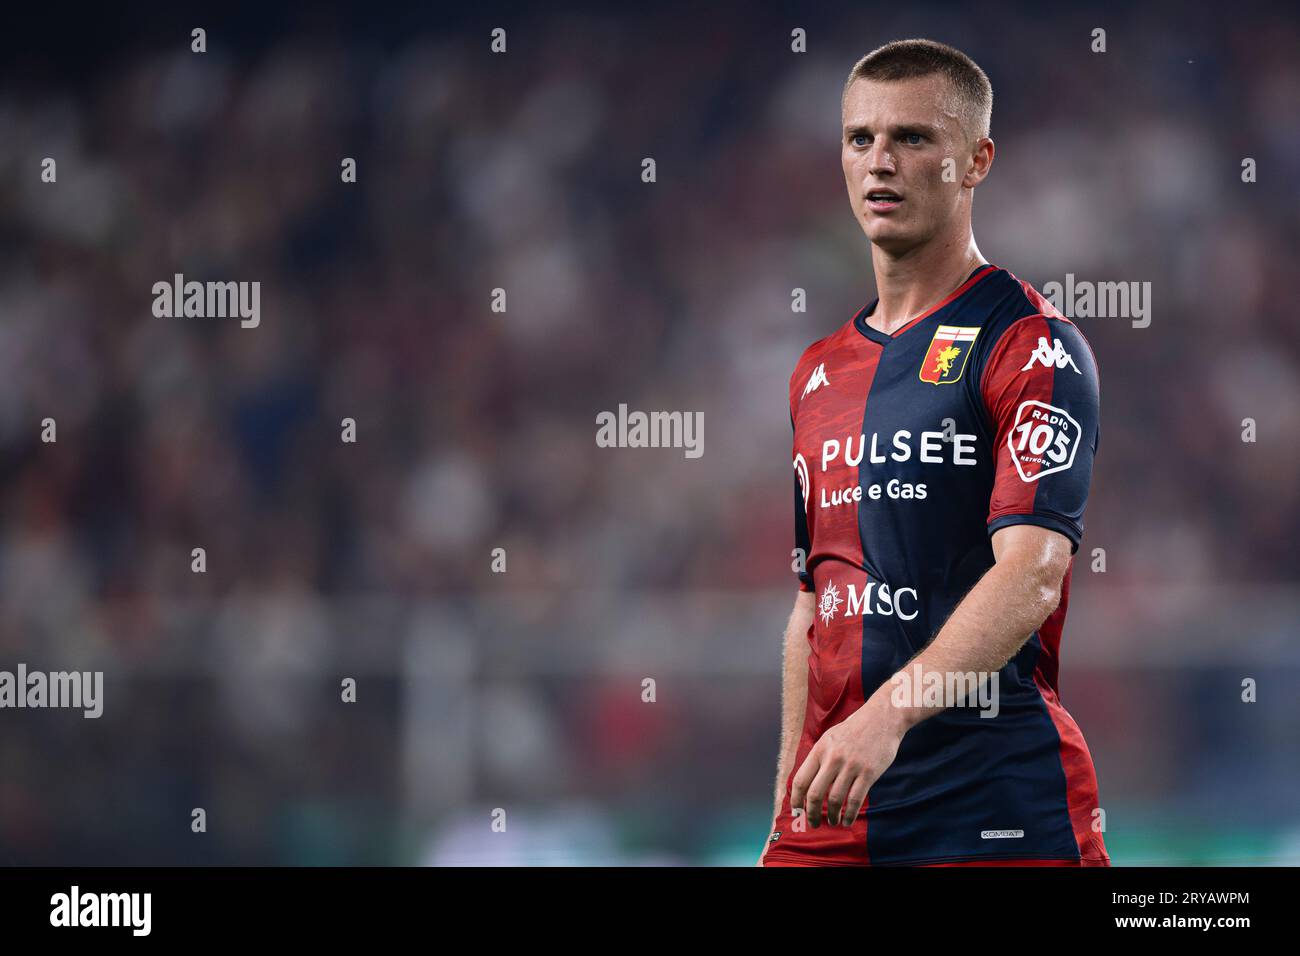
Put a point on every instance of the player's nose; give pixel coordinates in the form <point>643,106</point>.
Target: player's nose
<point>879,158</point>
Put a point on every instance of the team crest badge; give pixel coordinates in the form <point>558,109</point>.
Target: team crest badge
<point>946,357</point>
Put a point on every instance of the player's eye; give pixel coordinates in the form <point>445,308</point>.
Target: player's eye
<point>913,139</point>
<point>860,139</point>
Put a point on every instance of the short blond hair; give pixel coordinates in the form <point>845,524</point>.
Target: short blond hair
<point>906,59</point>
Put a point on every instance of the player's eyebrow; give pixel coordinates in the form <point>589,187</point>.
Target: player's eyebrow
<point>924,129</point>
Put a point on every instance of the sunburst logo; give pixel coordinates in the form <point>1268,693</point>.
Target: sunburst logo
<point>830,602</point>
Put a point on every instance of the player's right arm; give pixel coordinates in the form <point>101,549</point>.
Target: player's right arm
<point>794,668</point>
<point>794,696</point>
<point>795,650</point>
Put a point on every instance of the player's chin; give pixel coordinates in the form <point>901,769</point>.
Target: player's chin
<point>887,234</point>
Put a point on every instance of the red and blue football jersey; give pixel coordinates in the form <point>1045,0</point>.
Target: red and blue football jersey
<point>910,451</point>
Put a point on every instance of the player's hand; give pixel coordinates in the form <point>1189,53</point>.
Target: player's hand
<point>845,762</point>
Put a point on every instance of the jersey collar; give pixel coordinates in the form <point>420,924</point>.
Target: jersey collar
<point>875,335</point>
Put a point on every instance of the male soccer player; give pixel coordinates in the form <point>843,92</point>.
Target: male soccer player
<point>943,447</point>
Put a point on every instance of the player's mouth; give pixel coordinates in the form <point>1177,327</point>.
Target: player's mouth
<point>883,200</point>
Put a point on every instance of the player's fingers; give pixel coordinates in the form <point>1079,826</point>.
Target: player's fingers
<point>838,794</point>
<point>856,798</point>
<point>817,791</point>
<point>799,786</point>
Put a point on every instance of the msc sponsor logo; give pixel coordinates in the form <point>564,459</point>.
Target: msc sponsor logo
<point>1043,440</point>
<point>945,359</point>
<point>829,603</point>
<point>932,448</point>
<point>875,598</point>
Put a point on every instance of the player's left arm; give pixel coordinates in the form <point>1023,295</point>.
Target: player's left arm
<point>1044,409</point>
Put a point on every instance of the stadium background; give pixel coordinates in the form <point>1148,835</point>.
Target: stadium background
<point>522,690</point>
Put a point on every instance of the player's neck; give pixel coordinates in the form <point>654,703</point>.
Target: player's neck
<point>910,284</point>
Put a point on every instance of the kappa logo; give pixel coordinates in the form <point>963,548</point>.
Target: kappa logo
<point>1053,355</point>
<point>945,359</point>
<point>816,380</point>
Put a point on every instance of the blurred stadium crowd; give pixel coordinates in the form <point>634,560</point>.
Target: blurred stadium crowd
<point>523,690</point>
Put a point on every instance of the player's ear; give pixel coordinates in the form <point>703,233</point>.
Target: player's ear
<point>981,159</point>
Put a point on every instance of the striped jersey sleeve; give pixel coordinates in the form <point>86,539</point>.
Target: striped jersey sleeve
<point>1041,393</point>
<point>802,541</point>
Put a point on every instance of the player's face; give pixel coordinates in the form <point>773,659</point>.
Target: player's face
<point>896,136</point>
